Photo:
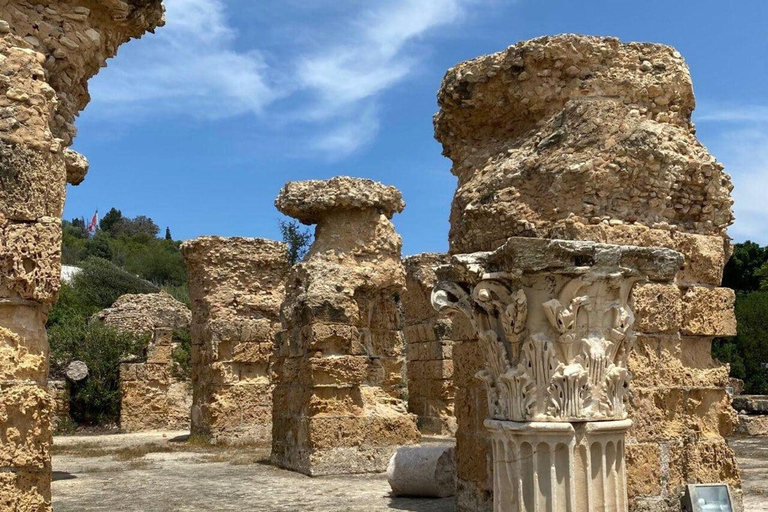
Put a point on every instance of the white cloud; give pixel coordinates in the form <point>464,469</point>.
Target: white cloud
<point>193,67</point>
<point>189,66</point>
<point>745,155</point>
<point>346,76</point>
<point>734,114</point>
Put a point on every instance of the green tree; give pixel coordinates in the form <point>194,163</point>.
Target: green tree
<point>168,233</point>
<point>112,217</point>
<point>748,351</point>
<point>101,282</point>
<point>741,271</point>
<point>98,246</point>
<point>297,238</point>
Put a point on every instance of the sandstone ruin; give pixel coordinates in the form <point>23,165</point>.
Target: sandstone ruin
<point>586,138</point>
<point>49,51</point>
<point>338,404</point>
<point>429,349</point>
<point>236,286</point>
<point>154,394</point>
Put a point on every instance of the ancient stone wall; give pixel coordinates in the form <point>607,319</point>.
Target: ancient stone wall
<point>48,51</point>
<point>154,397</point>
<point>429,349</point>
<point>587,138</point>
<point>339,360</point>
<point>59,391</point>
<point>236,286</point>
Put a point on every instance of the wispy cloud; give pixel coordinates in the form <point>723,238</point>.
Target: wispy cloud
<point>190,66</point>
<point>333,87</point>
<point>741,143</point>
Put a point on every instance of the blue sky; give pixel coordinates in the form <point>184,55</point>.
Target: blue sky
<point>199,125</point>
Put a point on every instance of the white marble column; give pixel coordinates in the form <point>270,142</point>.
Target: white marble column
<point>555,323</point>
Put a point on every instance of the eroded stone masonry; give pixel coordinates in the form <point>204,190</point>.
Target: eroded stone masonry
<point>236,286</point>
<point>48,51</point>
<point>587,138</point>
<point>155,395</point>
<point>338,404</point>
<point>429,349</point>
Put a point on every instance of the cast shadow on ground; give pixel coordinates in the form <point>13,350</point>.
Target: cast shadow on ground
<point>62,475</point>
<point>422,504</point>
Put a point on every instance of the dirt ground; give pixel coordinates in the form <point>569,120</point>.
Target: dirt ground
<point>165,472</point>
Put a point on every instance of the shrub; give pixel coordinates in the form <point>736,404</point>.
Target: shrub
<point>96,400</point>
<point>297,238</point>
<point>101,283</point>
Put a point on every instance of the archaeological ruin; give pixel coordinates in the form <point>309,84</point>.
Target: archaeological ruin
<point>339,359</point>
<point>236,286</point>
<point>565,339</point>
<point>429,349</point>
<point>49,51</point>
<point>589,139</point>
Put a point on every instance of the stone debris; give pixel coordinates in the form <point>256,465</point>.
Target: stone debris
<point>588,138</point>
<point>339,359</point>
<point>48,52</point>
<point>76,371</point>
<point>429,349</point>
<point>59,391</point>
<point>236,286</point>
<point>753,415</point>
<point>427,471</point>
<point>142,313</point>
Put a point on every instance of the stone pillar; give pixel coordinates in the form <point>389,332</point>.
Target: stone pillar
<point>429,349</point>
<point>49,51</point>
<point>236,286</point>
<point>338,406</point>
<point>555,326</point>
<point>587,138</point>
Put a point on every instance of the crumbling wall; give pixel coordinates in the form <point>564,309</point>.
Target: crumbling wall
<point>49,51</point>
<point>339,360</point>
<point>155,395</point>
<point>587,138</point>
<point>59,391</point>
<point>236,286</point>
<point>429,349</point>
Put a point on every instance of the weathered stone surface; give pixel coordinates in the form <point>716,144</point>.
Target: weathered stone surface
<point>76,371</point>
<point>30,260</point>
<point>709,311</point>
<point>338,406</point>
<point>236,287</point>
<point>48,51</point>
<point>59,391</point>
<point>147,405</point>
<point>751,404</point>
<point>753,425</point>
<point>644,472</point>
<point>586,138</point>
<point>429,349</point>
<point>424,470</point>
<point>16,361</point>
<point>533,144</point>
<point>142,313</point>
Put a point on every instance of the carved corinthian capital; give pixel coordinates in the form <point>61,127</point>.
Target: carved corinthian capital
<point>555,323</point>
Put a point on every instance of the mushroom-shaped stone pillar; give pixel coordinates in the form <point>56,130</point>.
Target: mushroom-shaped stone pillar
<point>339,359</point>
<point>555,325</point>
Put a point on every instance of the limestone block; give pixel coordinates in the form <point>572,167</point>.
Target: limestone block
<point>147,406</point>
<point>25,491</point>
<point>33,182</point>
<point>677,413</point>
<point>159,354</point>
<point>30,260</point>
<point>335,371</point>
<point>332,339</point>
<point>674,360</point>
<point>658,307</point>
<point>16,361</point>
<point>751,404</point>
<point>25,426</point>
<point>705,461</point>
<point>423,470</point>
<point>28,322</point>
<point>644,472</point>
<point>709,311</point>
<point>753,425</point>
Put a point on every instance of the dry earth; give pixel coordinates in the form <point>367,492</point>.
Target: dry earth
<point>156,472</point>
<point>151,472</point>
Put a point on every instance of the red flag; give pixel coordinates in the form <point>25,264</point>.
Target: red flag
<point>94,223</point>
